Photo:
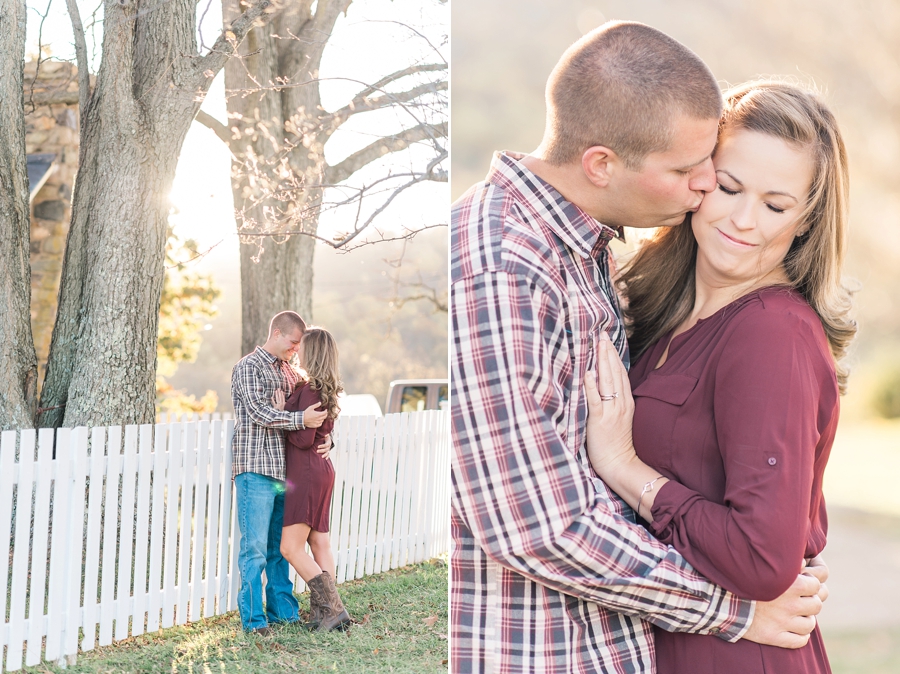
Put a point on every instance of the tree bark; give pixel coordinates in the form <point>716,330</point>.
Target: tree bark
<point>102,362</point>
<point>18,362</point>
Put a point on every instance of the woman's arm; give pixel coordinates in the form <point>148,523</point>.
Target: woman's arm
<point>301,399</point>
<point>775,399</point>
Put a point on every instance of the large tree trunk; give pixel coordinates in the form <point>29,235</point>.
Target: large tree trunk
<point>18,362</point>
<point>279,277</point>
<point>102,361</point>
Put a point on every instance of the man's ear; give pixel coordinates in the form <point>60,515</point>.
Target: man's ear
<point>598,164</point>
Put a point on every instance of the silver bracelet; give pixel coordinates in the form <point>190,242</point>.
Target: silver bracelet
<point>647,488</point>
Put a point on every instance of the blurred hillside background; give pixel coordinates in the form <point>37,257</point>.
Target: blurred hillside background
<point>502,53</point>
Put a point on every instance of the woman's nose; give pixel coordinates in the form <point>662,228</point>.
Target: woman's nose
<point>742,217</point>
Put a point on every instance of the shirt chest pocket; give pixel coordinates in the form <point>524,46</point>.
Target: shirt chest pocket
<point>270,380</point>
<point>662,422</point>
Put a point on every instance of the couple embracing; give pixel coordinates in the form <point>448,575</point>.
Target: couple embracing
<point>283,476</point>
<point>668,518</point>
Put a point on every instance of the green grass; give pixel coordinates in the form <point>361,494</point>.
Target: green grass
<point>401,627</point>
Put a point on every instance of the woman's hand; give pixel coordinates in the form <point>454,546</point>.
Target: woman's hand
<point>610,411</point>
<point>609,445</point>
<point>278,400</point>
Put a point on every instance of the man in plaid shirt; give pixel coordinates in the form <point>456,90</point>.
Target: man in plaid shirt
<point>258,382</point>
<point>549,571</point>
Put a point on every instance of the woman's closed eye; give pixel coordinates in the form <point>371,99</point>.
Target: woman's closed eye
<point>726,190</point>
<point>729,192</point>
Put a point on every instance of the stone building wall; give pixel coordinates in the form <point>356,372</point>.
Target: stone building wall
<point>50,129</point>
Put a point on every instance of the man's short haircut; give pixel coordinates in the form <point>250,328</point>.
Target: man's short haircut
<point>286,322</point>
<point>622,86</point>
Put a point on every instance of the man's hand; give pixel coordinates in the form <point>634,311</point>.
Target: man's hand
<point>324,450</point>
<point>788,620</point>
<point>816,567</point>
<point>312,417</point>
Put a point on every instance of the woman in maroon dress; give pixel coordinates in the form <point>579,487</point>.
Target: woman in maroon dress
<point>310,481</point>
<point>739,322</point>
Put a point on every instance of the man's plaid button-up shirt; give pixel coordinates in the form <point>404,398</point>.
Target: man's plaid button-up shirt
<point>549,572</point>
<point>258,443</point>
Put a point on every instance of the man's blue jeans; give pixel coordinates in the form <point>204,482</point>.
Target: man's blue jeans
<point>260,512</point>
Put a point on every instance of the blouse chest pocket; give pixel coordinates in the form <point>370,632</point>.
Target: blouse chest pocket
<point>673,388</point>
<point>658,417</point>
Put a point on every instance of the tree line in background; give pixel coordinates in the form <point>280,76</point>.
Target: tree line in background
<point>152,79</point>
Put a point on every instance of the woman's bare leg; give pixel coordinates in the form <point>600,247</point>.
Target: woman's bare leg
<point>293,547</point>
<point>320,545</point>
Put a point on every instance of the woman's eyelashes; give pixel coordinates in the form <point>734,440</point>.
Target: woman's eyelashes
<point>729,192</point>
<point>726,190</point>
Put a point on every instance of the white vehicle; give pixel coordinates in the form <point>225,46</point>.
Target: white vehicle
<point>359,404</point>
<point>415,395</point>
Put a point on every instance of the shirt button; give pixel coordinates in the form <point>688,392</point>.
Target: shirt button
<point>772,461</point>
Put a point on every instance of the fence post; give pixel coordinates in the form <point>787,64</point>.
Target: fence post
<point>142,525</point>
<point>92,551</point>
<point>56,604</point>
<point>77,442</point>
<point>7,473</point>
<point>155,588</point>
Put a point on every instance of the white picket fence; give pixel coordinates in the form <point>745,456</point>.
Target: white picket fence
<point>127,533</point>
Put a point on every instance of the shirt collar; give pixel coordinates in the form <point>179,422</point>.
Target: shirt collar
<point>576,228</point>
<point>266,356</point>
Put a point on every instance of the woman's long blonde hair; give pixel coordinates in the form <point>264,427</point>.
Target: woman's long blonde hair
<point>320,364</point>
<point>658,282</point>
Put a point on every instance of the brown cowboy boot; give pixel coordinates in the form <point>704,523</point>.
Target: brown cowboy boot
<point>315,606</point>
<point>332,614</point>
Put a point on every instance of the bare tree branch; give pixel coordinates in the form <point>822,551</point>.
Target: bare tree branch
<point>227,42</point>
<point>340,246</point>
<point>84,75</point>
<point>417,32</point>
<point>55,97</point>
<point>382,146</point>
<point>362,103</point>
<point>431,295</point>
<point>210,122</point>
<point>387,202</point>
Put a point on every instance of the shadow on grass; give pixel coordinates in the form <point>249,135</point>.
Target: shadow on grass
<point>401,626</point>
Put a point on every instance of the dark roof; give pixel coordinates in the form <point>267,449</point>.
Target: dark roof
<point>39,168</point>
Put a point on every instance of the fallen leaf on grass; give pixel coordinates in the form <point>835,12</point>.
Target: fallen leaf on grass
<point>442,636</point>
<point>375,652</point>
<point>365,620</point>
<point>430,620</point>
<point>259,645</point>
<point>443,662</point>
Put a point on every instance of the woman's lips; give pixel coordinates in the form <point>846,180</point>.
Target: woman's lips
<point>736,242</point>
